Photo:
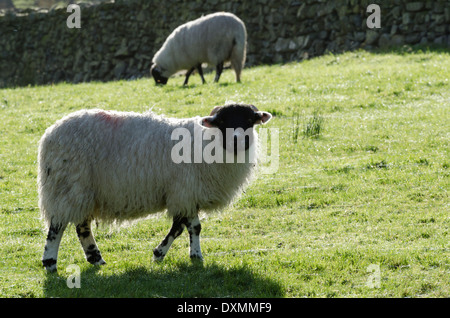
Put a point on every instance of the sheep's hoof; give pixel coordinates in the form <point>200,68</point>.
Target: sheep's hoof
<point>197,259</point>
<point>50,265</point>
<point>158,256</point>
<point>51,269</point>
<point>100,262</point>
<point>95,258</point>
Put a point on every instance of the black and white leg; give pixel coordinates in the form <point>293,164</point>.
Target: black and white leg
<point>177,228</point>
<point>219,69</point>
<point>179,223</point>
<point>55,233</point>
<point>194,227</point>
<point>87,241</point>
<point>200,72</point>
<point>187,75</point>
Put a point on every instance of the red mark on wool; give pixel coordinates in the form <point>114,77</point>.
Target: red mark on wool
<point>110,118</point>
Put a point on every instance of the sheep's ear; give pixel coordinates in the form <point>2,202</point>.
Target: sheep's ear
<point>215,110</point>
<point>207,121</point>
<point>254,108</point>
<point>264,117</point>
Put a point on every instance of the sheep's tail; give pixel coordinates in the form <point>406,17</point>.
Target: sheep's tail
<point>238,53</point>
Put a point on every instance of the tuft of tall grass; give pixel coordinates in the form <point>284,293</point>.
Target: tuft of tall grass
<point>311,129</point>
<point>314,126</point>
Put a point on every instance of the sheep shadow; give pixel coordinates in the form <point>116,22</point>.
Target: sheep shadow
<point>186,280</point>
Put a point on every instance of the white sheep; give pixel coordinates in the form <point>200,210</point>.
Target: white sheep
<point>214,39</point>
<point>117,166</point>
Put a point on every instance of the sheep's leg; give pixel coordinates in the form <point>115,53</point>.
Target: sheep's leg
<point>200,72</point>
<point>219,69</point>
<point>87,241</point>
<point>194,227</point>
<point>177,228</point>
<point>187,75</point>
<point>55,233</point>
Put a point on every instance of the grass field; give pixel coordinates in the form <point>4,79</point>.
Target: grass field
<point>359,209</point>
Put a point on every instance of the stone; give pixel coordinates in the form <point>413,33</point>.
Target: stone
<point>326,9</point>
<point>278,58</point>
<point>104,68</point>
<point>398,40</point>
<point>385,40</point>
<point>312,10</point>
<point>396,12</point>
<point>406,18</point>
<point>414,6</point>
<point>123,49</point>
<point>439,6</point>
<point>438,18</point>
<point>302,41</point>
<point>122,52</point>
<point>394,29</point>
<point>285,45</point>
<point>371,36</point>
<point>300,9</point>
<point>119,69</point>
<point>141,17</point>
<point>412,38</point>
<point>441,29</point>
<point>423,40</point>
<point>440,40</point>
<point>78,78</point>
<point>323,35</point>
<point>422,17</point>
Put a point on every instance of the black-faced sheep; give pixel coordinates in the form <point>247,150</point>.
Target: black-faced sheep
<point>214,39</point>
<point>117,166</point>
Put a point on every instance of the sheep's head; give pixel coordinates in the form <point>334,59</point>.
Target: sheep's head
<point>236,122</point>
<point>156,72</point>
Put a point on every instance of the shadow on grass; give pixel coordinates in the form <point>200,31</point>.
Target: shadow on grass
<point>186,280</point>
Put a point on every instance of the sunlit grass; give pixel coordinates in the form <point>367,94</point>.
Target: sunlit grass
<point>370,189</point>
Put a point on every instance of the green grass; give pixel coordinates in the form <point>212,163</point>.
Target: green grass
<point>370,189</point>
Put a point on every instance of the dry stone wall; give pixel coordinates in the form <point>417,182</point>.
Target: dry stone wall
<point>118,40</point>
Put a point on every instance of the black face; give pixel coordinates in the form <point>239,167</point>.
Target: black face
<point>239,119</point>
<point>156,73</point>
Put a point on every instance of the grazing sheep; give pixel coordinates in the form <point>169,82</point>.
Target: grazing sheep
<point>213,39</point>
<point>117,166</point>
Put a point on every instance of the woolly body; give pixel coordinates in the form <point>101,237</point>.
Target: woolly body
<point>115,166</point>
<point>212,39</point>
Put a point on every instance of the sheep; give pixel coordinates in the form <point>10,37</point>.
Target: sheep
<point>213,39</point>
<point>114,167</point>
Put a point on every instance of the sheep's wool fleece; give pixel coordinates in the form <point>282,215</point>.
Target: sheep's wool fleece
<point>208,39</point>
<point>117,166</point>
